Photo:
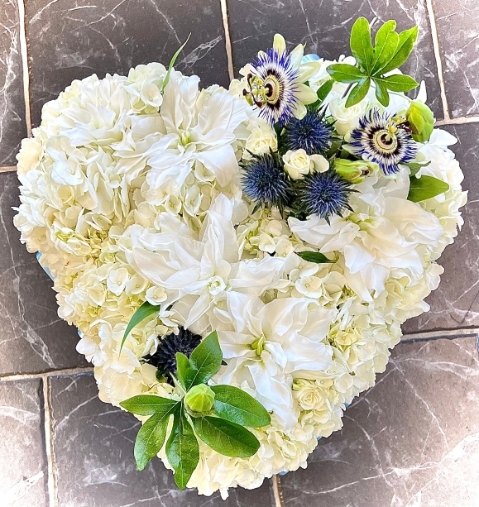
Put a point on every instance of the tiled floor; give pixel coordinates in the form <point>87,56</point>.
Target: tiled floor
<point>411,441</point>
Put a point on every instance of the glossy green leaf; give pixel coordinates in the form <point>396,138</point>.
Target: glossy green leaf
<point>324,89</point>
<point>407,39</point>
<point>225,437</point>
<point>382,93</point>
<point>145,311</point>
<point>361,46</point>
<point>185,371</point>
<point>387,41</point>
<point>345,73</point>
<point>148,404</point>
<point>358,92</point>
<point>151,437</point>
<point>426,187</point>
<point>239,407</point>
<point>317,257</point>
<point>205,359</point>
<point>172,64</point>
<point>182,451</point>
<point>398,82</point>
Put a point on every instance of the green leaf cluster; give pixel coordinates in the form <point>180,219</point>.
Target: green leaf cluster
<point>391,50</point>
<point>222,429</point>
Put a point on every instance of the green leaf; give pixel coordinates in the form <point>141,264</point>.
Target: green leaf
<point>414,167</point>
<point>239,407</point>
<point>151,437</point>
<point>382,93</point>
<point>324,89</point>
<point>145,310</point>
<point>317,257</point>
<point>359,91</point>
<point>226,438</point>
<point>182,451</point>
<point>426,187</point>
<point>407,39</point>
<point>148,404</point>
<point>398,82</point>
<point>360,42</point>
<point>184,371</point>
<point>387,41</point>
<point>205,360</point>
<point>345,73</point>
<point>172,64</point>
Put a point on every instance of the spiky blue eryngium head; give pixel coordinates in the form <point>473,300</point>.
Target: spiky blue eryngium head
<point>312,133</point>
<point>325,194</point>
<point>272,86</point>
<point>265,181</point>
<point>380,139</point>
<point>164,358</point>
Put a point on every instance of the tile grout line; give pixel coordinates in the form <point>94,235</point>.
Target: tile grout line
<point>458,121</point>
<point>8,168</point>
<point>449,333</point>
<point>26,73</point>
<point>229,47</point>
<point>277,491</point>
<point>48,374</point>
<point>437,55</point>
<point>48,429</point>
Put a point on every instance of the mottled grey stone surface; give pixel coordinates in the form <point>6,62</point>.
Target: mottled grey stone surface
<point>412,440</point>
<point>93,446</point>
<point>77,38</point>
<point>458,32</point>
<point>324,27</point>
<point>33,337</point>
<point>12,106</point>
<point>456,302</point>
<point>23,468</point>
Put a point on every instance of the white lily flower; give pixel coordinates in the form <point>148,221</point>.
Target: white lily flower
<point>271,345</point>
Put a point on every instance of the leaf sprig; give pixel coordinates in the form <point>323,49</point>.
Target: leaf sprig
<point>391,50</point>
<point>222,427</point>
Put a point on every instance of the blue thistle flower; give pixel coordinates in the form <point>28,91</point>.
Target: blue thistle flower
<point>265,182</point>
<point>164,358</point>
<point>380,139</point>
<point>312,133</point>
<point>325,194</point>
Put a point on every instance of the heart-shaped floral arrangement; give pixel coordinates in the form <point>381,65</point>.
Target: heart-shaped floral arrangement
<point>239,262</point>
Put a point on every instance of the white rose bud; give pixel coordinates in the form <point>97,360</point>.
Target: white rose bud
<point>347,118</point>
<point>261,140</point>
<point>297,163</point>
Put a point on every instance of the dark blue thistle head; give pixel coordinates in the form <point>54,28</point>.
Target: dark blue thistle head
<point>265,181</point>
<point>164,357</point>
<point>312,133</point>
<point>325,194</point>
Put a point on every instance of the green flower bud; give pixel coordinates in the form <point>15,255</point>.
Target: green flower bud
<point>200,400</point>
<point>354,171</point>
<point>421,121</point>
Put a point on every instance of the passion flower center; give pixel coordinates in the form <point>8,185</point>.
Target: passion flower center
<point>385,140</point>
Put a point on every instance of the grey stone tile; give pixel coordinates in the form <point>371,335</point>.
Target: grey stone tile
<point>324,27</point>
<point>23,467</point>
<point>456,302</point>
<point>73,39</point>
<point>33,338</point>
<point>12,105</point>
<point>458,33</point>
<point>93,447</point>
<point>410,441</point>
